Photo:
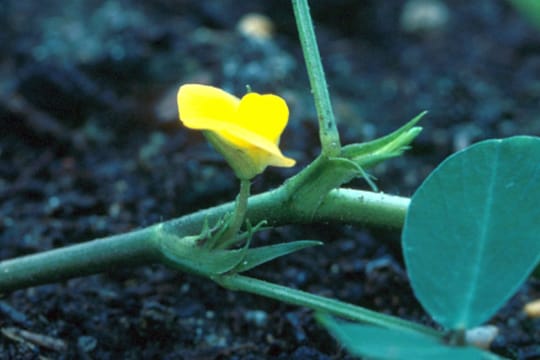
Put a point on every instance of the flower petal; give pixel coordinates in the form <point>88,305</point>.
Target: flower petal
<point>244,139</point>
<point>198,102</point>
<point>247,161</point>
<point>246,132</point>
<point>266,115</point>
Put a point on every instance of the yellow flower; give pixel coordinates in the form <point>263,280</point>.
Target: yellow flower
<point>246,132</point>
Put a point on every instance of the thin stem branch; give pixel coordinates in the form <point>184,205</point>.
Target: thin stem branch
<point>238,217</point>
<point>320,303</point>
<point>328,131</point>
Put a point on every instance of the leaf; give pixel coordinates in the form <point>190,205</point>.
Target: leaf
<point>380,343</point>
<point>472,231</point>
<point>328,174</point>
<point>371,153</point>
<point>199,260</point>
<point>257,256</point>
<point>310,187</point>
<point>529,9</point>
<point>186,255</point>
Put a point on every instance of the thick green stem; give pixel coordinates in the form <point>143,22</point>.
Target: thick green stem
<point>320,303</point>
<point>135,248</point>
<point>142,246</point>
<point>340,206</point>
<point>363,207</point>
<point>328,131</point>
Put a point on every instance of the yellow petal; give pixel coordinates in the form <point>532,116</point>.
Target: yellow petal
<point>199,102</point>
<point>233,134</point>
<point>272,159</point>
<point>266,115</point>
<point>248,161</point>
<point>246,132</point>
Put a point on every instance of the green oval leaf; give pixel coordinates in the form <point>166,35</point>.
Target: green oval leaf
<point>472,231</point>
<point>380,343</point>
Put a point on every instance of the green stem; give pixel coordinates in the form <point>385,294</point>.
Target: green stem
<point>320,303</point>
<point>340,206</point>
<point>114,252</point>
<point>238,217</point>
<point>363,207</point>
<point>328,131</point>
<point>142,246</point>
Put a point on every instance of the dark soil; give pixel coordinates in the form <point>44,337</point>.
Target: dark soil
<point>91,146</point>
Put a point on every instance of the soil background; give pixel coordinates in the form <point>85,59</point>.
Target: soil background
<point>90,146</point>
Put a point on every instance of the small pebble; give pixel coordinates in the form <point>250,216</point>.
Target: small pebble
<point>256,26</point>
<point>481,336</point>
<point>423,16</point>
<point>532,309</point>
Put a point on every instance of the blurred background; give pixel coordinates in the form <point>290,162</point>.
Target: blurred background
<point>91,145</point>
